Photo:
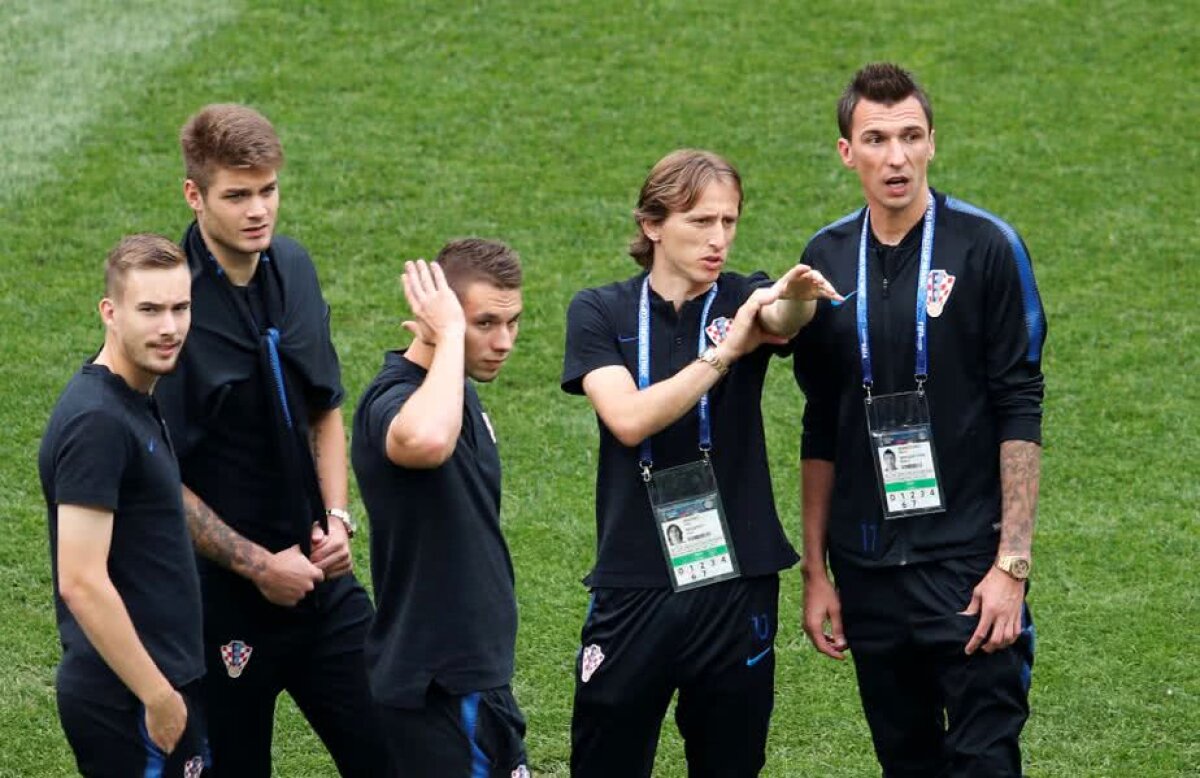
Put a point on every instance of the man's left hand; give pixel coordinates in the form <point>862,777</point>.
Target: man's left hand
<point>803,283</point>
<point>998,600</point>
<point>331,551</point>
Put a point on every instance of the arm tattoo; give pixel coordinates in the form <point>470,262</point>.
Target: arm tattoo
<point>219,542</point>
<point>314,442</point>
<point>1020,474</point>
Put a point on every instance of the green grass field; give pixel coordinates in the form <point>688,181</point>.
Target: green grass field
<point>410,123</point>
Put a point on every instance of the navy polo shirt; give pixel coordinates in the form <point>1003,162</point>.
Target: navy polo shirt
<point>602,330</point>
<point>106,447</point>
<point>445,606</point>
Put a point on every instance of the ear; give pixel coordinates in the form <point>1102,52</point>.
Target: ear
<point>193,195</point>
<point>845,152</point>
<point>651,230</point>
<point>107,308</point>
<point>932,145</point>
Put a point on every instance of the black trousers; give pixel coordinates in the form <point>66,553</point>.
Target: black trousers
<point>477,735</point>
<point>254,650</point>
<point>110,739</point>
<point>715,645</point>
<point>933,710</point>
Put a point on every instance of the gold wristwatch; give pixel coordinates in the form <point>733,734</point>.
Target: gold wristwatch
<point>709,356</point>
<point>343,515</point>
<point>1015,565</point>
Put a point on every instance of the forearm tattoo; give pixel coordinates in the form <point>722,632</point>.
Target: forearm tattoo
<point>314,443</point>
<point>1020,474</point>
<point>219,542</point>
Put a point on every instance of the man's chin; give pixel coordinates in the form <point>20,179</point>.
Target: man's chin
<point>484,375</point>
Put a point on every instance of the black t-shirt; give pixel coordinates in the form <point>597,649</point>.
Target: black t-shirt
<point>222,402</point>
<point>445,607</point>
<point>106,447</point>
<point>602,330</point>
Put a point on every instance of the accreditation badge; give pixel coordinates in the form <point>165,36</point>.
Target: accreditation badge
<point>691,525</point>
<point>905,461</point>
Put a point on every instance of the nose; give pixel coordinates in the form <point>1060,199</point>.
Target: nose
<point>502,341</point>
<point>168,323</point>
<point>896,153</point>
<point>718,237</point>
<point>258,207</point>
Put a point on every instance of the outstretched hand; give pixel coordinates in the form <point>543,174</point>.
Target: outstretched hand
<point>434,304</point>
<point>804,283</point>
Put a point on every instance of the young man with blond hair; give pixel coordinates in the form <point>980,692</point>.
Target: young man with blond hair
<point>125,587</point>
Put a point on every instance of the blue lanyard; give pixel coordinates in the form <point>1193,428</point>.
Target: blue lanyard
<point>864,338</point>
<point>644,367</point>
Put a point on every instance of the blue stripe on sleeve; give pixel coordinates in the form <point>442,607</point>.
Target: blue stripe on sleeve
<point>1035,326</point>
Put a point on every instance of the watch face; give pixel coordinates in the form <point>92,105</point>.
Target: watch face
<point>1020,567</point>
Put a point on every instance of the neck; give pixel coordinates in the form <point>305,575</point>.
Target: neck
<point>890,226</point>
<point>674,288</point>
<point>137,379</point>
<point>239,268</point>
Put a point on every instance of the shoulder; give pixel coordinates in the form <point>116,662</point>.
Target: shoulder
<point>983,226</point>
<point>838,231</point>
<point>600,300</point>
<point>396,372</point>
<point>292,259</point>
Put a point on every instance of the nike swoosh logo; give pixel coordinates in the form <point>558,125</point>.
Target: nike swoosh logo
<point>624,339</point>
<point>843,301</point>
<point>752,661</point>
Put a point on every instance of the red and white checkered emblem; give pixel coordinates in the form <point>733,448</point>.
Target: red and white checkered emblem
<point>938,289</point>
<point>718,330</point>
<point>236,655</point>
<point>194,767</point>
<point>592,657</point>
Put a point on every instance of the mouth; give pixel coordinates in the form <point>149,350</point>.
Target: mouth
<point>713,262</point>
<point>896,185</point>
<point>166,349</point>
<point>257,232</point>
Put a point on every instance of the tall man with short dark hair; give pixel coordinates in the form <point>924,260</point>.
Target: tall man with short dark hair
<point>921,449</point>
<point>440,650</point>
<point>125,587</point>
<point>673,364</point>
<point>255,412</point>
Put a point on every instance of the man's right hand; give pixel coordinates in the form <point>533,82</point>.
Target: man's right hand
<point>745,331</point>
<point>436,308</point>
<point>288,576</point>
<point>822,605</point>
<point>166,719</point>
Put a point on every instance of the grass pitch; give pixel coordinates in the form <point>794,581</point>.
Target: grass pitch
<point>406,124</point>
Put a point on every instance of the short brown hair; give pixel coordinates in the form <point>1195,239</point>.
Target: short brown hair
<point>467,260</point>
<point>879,82</point>
<point>227,135</point>
<point>674,185</point>
<point>142,251</point>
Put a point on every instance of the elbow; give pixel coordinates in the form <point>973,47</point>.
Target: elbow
<point>628,434</point>
<point>426,449</point>
<point>76,590</point>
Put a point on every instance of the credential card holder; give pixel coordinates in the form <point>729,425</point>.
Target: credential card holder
<point>691,525</point>
<point>906,466</point>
